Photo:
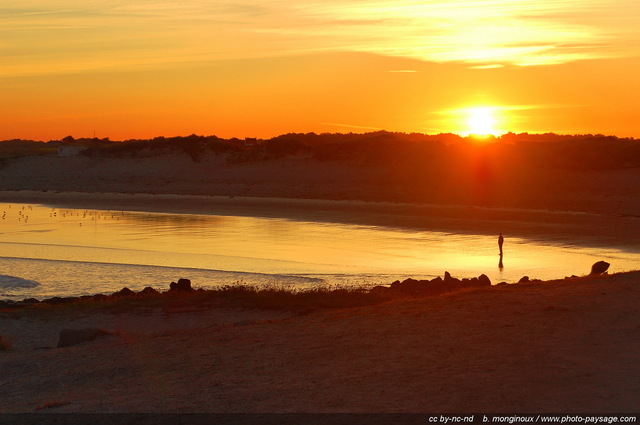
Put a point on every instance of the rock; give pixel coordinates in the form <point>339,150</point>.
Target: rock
<point>148,291</point>
<point>600,267</point>
<point>70,337</point>
<point>483,280</point>
<point>412,287</point>
<point>451,282</point>
<point>124,292</point>
<point>436,281</point>
<point>61,300</point>
<point>438,286</point>
<point>524,279</point>
<point>406,287</point>
<point>379,290</point>
<point>30,301</point>
<point>183,285</point>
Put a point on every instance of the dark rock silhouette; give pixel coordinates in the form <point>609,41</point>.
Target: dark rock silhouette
<point>524,279</point>
<point>70,337</point>
<point>416,288</point>
<point>124,292</point>
<point>148,291</point>
<point>600,267</point>
<point>61,300</point>
<point>30,301</point>
<point>451,282</point>
<point>483,280</point>
<point>379,290</point>
<point>408,287</point>
<point>183,285</point>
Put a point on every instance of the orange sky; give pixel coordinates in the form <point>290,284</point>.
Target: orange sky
<point>259,68</point>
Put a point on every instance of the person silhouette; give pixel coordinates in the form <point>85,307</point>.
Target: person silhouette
<point>500,242</point>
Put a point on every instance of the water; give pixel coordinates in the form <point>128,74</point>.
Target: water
<point>47,252</point>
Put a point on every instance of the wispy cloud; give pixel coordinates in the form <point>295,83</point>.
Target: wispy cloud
<point>526,32</point>
<point>351,126</point>
<point>75,34</point>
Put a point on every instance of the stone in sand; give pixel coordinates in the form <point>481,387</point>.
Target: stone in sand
<point>600,267</point>
<point>70,337</point>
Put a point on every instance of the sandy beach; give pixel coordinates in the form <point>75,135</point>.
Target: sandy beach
<point>568,345</point>
<point>546,347</point>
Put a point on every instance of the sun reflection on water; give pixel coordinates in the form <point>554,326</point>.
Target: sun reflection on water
<point>262,247</point>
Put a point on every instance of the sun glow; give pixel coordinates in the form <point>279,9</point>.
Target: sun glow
<point>481,121</point>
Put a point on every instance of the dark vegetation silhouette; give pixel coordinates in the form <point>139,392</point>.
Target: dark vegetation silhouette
<point>377,148</point>
<point>548,171</point>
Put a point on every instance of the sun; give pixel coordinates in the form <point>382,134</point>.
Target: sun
<point>481,121</point>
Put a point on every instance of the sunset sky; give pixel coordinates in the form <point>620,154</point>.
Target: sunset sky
<point>259,68</point>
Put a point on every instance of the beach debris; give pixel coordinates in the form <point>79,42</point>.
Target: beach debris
<point>183,285</point>
<point>71,337</point>
<point>600,267</point>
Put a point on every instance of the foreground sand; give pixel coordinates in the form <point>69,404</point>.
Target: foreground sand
<point>547,347</point>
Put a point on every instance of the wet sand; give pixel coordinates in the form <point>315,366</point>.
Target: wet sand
<point>563,346</point>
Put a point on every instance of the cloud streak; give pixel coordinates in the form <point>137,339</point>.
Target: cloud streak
<point>78,35</point>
